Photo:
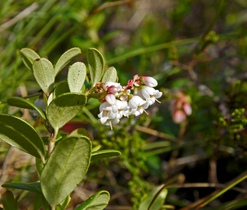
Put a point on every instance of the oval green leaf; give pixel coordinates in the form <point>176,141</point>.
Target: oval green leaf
<point>65,168</point>
<point>9,202</point>
<point>76,76</point>
<point>32,187</point>
<point>98,201</point>
<point>65,58</point>
<point>28,57</point>
<point>21,135</point>
<point>61,88</point>
<point>108,153</point>
<point>96,64</point>
<point>63,108</point>
<point>44,73</point>
<point>25,104</point>
<point>155,199</point>
<point>110,75</point>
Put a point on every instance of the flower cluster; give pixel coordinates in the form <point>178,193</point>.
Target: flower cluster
<point>122,101</point>
<point>181,108</point>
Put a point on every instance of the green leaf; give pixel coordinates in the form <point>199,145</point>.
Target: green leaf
<point>65,168</point>
<point>33,187</point>
<point>28,57</point>
<point>26,104</point>
<point>9,202</point>
<point>63,108</point>
<point>76,76</point>
<point>154,200</point>
<point>80,132</point>
<point>96,202</point>
<point>61,88</point>
<point>96,65</point>
<point>108,153</point>
<point>44,73</point>
<point>65,58</point>
<point>64,203</point>
<point>110,75</point>
<point>21,135</point>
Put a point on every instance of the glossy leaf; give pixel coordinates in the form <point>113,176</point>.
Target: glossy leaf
<point>9,202</point>
<point>32,187</point>
<point>110,75</point>
<point>96,202</point>
<point>76,76</point>
<point>21,135</point>
<point>63,108</point>
<point>28,57</point>
<point>100,154</point>
<point>65,168</point>
<point>65,58</point>
<point>154,200</point>
<point>25,104</point>
<point>96,65</point>
<point>44,73</point>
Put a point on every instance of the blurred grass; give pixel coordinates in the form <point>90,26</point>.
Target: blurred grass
<point>199,47</point>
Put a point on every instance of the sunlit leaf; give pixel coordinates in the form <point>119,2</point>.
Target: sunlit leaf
<point>26,104</point>
<point>154,200</point>
<point>110,75</point>
<point>28,57</point>
<point>21,135</point>
<point>96,65</point>
<point>44,73</point>
<point>63,108</point>
<point>96,202</point>
<point>65,58</point>
<point>65,168</point>
<point>9,202</point>
<point>76,76</point>
<point>100,154</point>
<point>33,187</point>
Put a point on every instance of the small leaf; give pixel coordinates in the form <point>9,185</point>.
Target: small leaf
<point>26,104</point>
<point>65,168</point>
<point>64,203</point>
<point>28,57</point>
<point>44,73</point>
<point>108,153</point>
<point>154,200</point>
<point>110,75</point>
<point>21,135</point>
<point>63,108</point>
<point>76,76</point>
<point>96,202</point>
<point>65,58</point>
<point>96,65</point>
<point>9,202</point>
<point>33,187</point>
<point>61,88</point>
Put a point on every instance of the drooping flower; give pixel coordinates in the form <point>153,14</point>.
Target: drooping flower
<point>149,94</point>
<point>122,101</point>
<point>149,81</point>
<point>181,107</point>
<point>137,105</point>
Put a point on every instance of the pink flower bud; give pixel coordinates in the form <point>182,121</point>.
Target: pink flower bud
<point>187,109</point>
<point>178,116</point>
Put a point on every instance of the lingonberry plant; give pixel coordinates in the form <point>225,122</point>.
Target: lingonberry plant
<point>63,161</point>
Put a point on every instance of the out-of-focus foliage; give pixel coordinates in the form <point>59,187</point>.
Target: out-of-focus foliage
<point>196,47</point>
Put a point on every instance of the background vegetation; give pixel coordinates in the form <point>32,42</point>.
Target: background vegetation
<point>197,47</point>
